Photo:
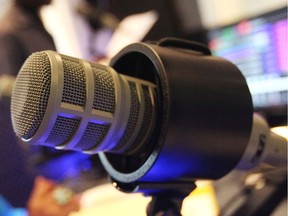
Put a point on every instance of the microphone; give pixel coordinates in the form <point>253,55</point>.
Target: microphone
<point>68,103</point>
<point>161,113</point>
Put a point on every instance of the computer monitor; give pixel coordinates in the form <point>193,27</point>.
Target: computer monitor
<point>258,46</point>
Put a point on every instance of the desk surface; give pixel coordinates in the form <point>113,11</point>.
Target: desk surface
<point>105,200</point>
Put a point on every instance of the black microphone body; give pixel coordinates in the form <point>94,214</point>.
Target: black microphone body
<point>168,112</point>
<point>204,114</point>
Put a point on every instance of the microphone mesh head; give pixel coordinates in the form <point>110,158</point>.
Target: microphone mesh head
<point>98,109</point>
<point>30,95</point>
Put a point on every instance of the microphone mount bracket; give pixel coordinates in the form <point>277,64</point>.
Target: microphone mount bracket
<point>167,197</point>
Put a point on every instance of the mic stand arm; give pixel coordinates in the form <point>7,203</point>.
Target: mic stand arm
<point>167,198</point>
<point>165,205</point>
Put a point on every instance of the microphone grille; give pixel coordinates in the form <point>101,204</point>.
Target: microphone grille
<point>32,90</point>
<point>74,91</point>
<point>104,98</point>
<point>30,95</point>
<point>69,103</point>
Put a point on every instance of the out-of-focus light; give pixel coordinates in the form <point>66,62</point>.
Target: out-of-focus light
<point>281,130</point>
<point>203,195</point>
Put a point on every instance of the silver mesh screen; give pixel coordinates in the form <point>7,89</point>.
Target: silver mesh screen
<point>30,95</point>
<point>74,91</point>
<point>30,101</point>
<point>62,131</point>
<point>93,135</point>
<point>104,97</point>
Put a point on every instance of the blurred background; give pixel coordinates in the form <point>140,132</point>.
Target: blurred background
<point>251,34</point>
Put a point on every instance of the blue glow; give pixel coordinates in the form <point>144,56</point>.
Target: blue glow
<point>175,165</point>
<point>67,115</point>
<point>66,166</point>
<point>7,210</point>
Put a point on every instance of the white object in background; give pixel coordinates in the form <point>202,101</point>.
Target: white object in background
<point>215,13</point>
<point>130,30</point>
<point>4,6</point>
<point>68,29</point>
<point>281,131</point>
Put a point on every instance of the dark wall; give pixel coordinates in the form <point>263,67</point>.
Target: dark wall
<point>176,18</point>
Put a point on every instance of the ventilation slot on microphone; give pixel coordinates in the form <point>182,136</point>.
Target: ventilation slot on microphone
<point>32,92</point>
<point>146,124</point>
<point>62,131</point>
<point>92,136</point>
<point>74,83</point>
<point>133,117</point>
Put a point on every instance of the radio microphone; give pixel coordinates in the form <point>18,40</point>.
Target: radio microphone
<point>165,112</point>
<point>68,103</point>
